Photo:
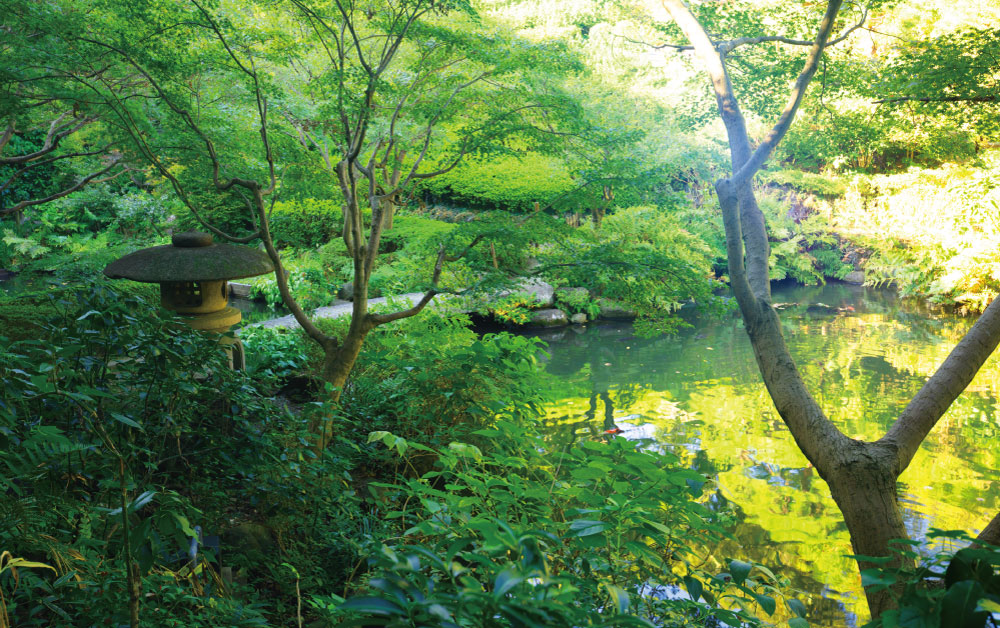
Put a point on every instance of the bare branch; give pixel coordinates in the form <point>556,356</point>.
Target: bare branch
<point>727,46</point>
<point>35,164</point>
<point>327,342</point>
<point>771,140</point>
<point>381,319</point>
<point>940,391</point>
<point>990,98</point>
<point>92,178</point>
<point>7,134</point>
<point>58,131</point>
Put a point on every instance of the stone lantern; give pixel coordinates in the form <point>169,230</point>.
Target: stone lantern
<point>193,274</point>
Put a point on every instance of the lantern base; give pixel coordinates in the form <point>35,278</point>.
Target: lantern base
<point>219,321</point>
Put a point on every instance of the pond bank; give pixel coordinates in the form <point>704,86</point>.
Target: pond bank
<point>544,313</point>
<point>863,352</point>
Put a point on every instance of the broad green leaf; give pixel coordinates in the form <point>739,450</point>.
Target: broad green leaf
<point>796,607</point>
<point>372,605</point>
<point>121,418</point>
<point>505,581</point>
<point>694,587</point>
<point>619,596</point>
<point>739,570</point>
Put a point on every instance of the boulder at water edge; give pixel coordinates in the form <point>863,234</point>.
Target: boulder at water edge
<point>548,318</point>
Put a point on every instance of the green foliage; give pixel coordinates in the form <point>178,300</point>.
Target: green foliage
<point>951,75</point>
<point>932,232</point>
<point>414,233</point>
<point>106,207</point>
<point>32,184</point>
<point>512,308</point>
<point>305,224</point>
<point>946,588</point>
<point>313,278</point>
<point>516,532</point>
<point>508,182</point>
<point>640,256</point>
<point>22,248</point>
<point>805,250</point>
<point>21,321</point>
<point>884,140</point>
<point>429,377</point>
<point>111,430</point>
<point>578,301</point>
<point>273,353</point>
<point>408,254</point>
<point>825,185</point>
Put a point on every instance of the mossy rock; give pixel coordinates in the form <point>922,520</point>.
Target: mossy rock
<point>25,321</point>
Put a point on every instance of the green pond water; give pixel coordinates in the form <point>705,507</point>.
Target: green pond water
<point>863,353</point>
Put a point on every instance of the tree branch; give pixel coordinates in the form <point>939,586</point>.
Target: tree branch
<point>92,178</point>
<point>58,131</point>
<point>381,319</point>
<point>991,98</point>
<point>940,391</point>
<point>771,140</point>
<point>990,534</point>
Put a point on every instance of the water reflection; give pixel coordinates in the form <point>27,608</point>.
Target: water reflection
<point>862,352</point>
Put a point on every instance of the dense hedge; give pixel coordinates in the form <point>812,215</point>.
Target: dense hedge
<point>509,182</point>
<point>305,224</point>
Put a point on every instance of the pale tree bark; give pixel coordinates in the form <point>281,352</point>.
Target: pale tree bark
<point>862,475</point>
<point>991,533</point>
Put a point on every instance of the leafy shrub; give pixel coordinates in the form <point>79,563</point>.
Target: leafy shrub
<point>124,428</point>
<point>508,182</point>
<point>415,233</point>
<point>313,277</point>
<point>806,250</point>
<point>578,301</point>
<point>274,353</point>
<point>34,183</point>
<point>945,588</point>
<point>933,232</point>
<point>527,534</point>
<point>512,308</point>
<point>883,140</point>
<point>641,256</point>
<point>430,377</point>
<point>305,224</point>
<point>105,207</point>
<point>408,254</point>
<point>819,184</point>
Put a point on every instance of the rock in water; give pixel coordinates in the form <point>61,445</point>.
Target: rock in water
<point>548,318</point>
<point>613,311</point>
<point>855,276</point>
<point>346,292</point>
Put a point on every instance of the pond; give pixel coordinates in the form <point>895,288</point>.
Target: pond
<point>863,353</point>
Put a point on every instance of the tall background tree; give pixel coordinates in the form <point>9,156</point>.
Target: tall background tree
<point>862,475</point>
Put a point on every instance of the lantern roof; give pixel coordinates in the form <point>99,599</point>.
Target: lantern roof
<point>191,256</point>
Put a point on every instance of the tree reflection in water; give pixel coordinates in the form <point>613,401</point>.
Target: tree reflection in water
<point>699,395</point>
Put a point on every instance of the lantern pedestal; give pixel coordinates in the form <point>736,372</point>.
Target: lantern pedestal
<point>220,322</point>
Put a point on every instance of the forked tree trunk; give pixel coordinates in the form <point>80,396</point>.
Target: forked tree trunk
<point>862,476</point>
<point>863,483</point>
